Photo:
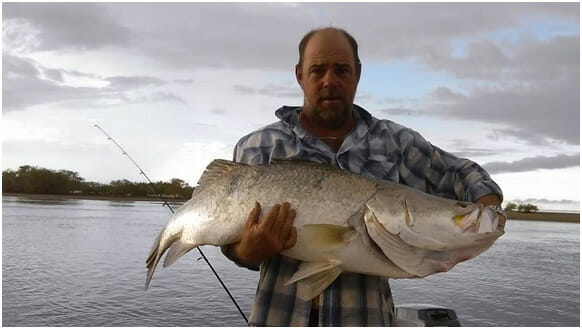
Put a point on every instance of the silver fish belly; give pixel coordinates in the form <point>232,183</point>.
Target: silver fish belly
<point>344,221</point>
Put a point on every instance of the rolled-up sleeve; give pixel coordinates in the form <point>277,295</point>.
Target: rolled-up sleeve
<point>438,172</point>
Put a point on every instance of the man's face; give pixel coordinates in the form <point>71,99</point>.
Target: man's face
<point>328,78</point>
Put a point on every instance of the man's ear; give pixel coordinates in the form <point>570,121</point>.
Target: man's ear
<point>299,75</point>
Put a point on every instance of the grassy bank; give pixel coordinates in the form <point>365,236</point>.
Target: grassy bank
<point>545,216</point>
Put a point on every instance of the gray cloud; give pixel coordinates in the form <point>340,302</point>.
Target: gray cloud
<point>218,111</point>
<point>160,97</point>
<point>184,81</point>
<point>544,111</point>
<point>532,82</point>
<point>27,83</point>
<point>526,60</point>
<point>270,90</point>
<point>63,25</point>
<point>425,31</point>
<point>523,135</point>
<point>470,152</point>
<point>534,89</point>
<point>547,201</point>
<point>399,111</point>
<point>205,34</point>
<point>52,74</point>
<point>23,85</point>
<point>133,82</point>
<point>534,163</point>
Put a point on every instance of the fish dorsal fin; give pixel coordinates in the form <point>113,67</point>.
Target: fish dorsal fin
<point>217,168</point>
<point>298,162</point>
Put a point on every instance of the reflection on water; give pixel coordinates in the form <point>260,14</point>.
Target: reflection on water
<point>40,201</point>
<point>82,263</point>
<point>116,203</point>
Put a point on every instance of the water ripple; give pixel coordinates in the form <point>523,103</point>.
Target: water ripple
<point>82,263</point>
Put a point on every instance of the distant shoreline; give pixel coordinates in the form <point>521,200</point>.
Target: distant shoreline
<point>537,216</point>
<point>91,197</point>
<point>545,216</point>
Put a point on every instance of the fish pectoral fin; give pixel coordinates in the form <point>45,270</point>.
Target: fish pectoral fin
<point>177,250</point>
<point>325,237</point>
<point>313,277</point>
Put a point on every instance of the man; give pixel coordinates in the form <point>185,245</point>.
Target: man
<point>329,128</point>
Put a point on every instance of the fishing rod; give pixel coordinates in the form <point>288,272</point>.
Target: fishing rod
<point>157,195</point>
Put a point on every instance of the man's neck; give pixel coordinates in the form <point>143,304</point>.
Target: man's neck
<point>333,137</point>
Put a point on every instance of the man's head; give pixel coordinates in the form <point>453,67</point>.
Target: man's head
<point>328,73</point>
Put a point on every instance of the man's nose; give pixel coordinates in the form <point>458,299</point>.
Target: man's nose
<point>329,79</point>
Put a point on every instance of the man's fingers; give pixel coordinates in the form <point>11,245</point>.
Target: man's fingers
<point>290,242</point>
<point>270,218</point>
<point>281,218</point>
<point>253,218</point>
<point>288,223</point>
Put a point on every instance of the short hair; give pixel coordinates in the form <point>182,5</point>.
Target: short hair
<point>351,40</point>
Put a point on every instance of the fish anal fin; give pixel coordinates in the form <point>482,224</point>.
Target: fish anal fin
<point>217,168</point>
<point>327,237</point>
<point>177,250</point>
<point>313,277</point>
<point>307,269</point>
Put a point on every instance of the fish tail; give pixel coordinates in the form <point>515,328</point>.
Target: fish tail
<point>153,251</point>
<point>151,266</point>
<point>154,257</point>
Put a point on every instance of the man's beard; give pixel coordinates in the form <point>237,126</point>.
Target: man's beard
<point>332,117</point>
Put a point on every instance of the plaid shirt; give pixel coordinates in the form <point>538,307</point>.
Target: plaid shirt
<point>376,148</point>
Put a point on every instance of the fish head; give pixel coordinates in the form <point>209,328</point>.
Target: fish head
<point>431,222</point>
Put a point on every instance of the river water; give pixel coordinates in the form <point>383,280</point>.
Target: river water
<point>82,263</point>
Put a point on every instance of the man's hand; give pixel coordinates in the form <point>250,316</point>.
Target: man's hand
<point>492,200</point>
<point>261,241</point>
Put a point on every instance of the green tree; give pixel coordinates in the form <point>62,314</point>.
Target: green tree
<point>511,206</point>
<point>528,207</point>
<point>30,179</point>
<point>10,182</point>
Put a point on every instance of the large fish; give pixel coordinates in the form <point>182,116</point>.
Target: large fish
<point>344,222</point>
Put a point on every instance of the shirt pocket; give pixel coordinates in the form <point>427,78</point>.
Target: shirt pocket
<point>380,167</point>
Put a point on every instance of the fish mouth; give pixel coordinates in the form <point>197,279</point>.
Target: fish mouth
<point>481,219</point>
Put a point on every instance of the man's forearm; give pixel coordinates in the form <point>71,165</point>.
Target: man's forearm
<point>489,200</point>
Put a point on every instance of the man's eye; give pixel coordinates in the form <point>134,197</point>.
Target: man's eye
<point>342,71</point>
<point>317,71</point>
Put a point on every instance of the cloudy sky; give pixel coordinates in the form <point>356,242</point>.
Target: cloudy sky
<point>178,84</point>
